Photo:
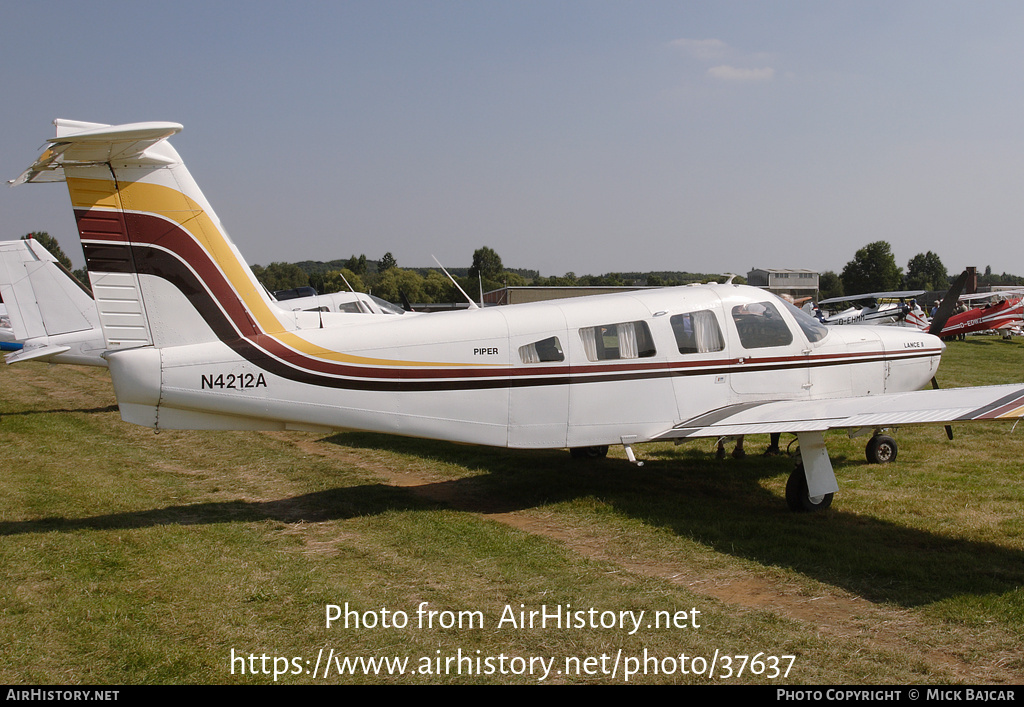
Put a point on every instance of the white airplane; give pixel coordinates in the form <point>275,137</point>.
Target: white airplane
<point>194,342</point>
<point>349,302</point>
<point>874,311</point>
<point>52,315</point>
<point>8,341</point>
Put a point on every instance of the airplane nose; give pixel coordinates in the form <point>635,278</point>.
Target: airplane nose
<point>913,357</point>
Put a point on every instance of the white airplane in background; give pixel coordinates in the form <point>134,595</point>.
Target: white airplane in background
<point>349,302</point>
<point>51,313</point>
<point>874,311</point>
<point>194,342</point>
<point>53,316</point>
<point>8,341</point>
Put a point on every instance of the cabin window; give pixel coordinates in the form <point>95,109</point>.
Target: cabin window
<point>697,332</point>
<point>542,351</point>
<point>350,308</point>
<point>760,325</point>
<point>614,341</point>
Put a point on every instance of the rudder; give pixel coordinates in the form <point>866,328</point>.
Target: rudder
<point>163,270</point>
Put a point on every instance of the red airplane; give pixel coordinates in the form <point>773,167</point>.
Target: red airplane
<point>1003,314</point>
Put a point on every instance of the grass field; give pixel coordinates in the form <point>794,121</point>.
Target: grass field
<point>134,557</point>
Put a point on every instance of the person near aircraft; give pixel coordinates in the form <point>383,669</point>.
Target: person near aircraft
<point>737,451</point>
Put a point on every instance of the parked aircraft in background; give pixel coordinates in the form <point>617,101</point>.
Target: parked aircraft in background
<point>1005,314</point>
<point>194,342</point>
<point>876,308</point>
<point>51,313</point>
<point>348,302</point>
<point>8,341</point>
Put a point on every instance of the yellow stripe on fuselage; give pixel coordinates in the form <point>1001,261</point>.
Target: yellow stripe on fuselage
<point>178,207</point>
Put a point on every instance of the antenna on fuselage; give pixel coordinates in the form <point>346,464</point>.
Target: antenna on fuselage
<point>732,276</point>
<point>359,302</point>
<point>472,304</point>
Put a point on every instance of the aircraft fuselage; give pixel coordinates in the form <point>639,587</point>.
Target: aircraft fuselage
<point>567,373</point>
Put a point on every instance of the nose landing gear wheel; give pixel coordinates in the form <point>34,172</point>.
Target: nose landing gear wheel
<point>797,496</point>
<point>589,452</point>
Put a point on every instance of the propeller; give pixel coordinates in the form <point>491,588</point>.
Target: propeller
<point>943,314</point>
<point>949,303</point>
<point>406,305</point>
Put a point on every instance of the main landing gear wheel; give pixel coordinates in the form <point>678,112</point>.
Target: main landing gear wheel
<point>881,449</point>
<point>797,496</point>
<point>589,452</point>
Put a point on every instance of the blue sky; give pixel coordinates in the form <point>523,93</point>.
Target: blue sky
<point>585,136</point>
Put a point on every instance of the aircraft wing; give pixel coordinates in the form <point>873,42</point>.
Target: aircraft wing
<point>890,410</point>
<point>990,295</point>
<point>903,294</point>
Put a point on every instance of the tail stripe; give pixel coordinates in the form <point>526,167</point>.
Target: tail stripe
<point>168,219</point>
<point>172,214</point>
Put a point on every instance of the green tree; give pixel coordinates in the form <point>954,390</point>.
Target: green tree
<point>386,263</point>
<point>357,265</point>
<point>829,285</point>
<point>50,243</point>
<point>438,288</point>
<point>486,264</point>
<point>513,279</point>
<point>281,276</point>
<point>334,281</point>
<point>926,272</point>
<point>394,282</point>
<point>873,269</point>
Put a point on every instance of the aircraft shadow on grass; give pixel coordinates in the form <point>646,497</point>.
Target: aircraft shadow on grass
<point>717,504</point>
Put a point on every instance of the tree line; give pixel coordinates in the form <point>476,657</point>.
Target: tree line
<point>873,269</point>
<point>384,278</point>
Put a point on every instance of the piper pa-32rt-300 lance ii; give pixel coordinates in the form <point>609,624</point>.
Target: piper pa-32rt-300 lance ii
<point>194,342</point>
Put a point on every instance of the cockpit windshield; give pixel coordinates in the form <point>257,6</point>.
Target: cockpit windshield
<point>811,327</point>
<point>386,307</point>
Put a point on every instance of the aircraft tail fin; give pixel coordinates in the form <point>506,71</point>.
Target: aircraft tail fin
<point>50,312</point>
<point>163,270</point>
<point>42,298</point>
